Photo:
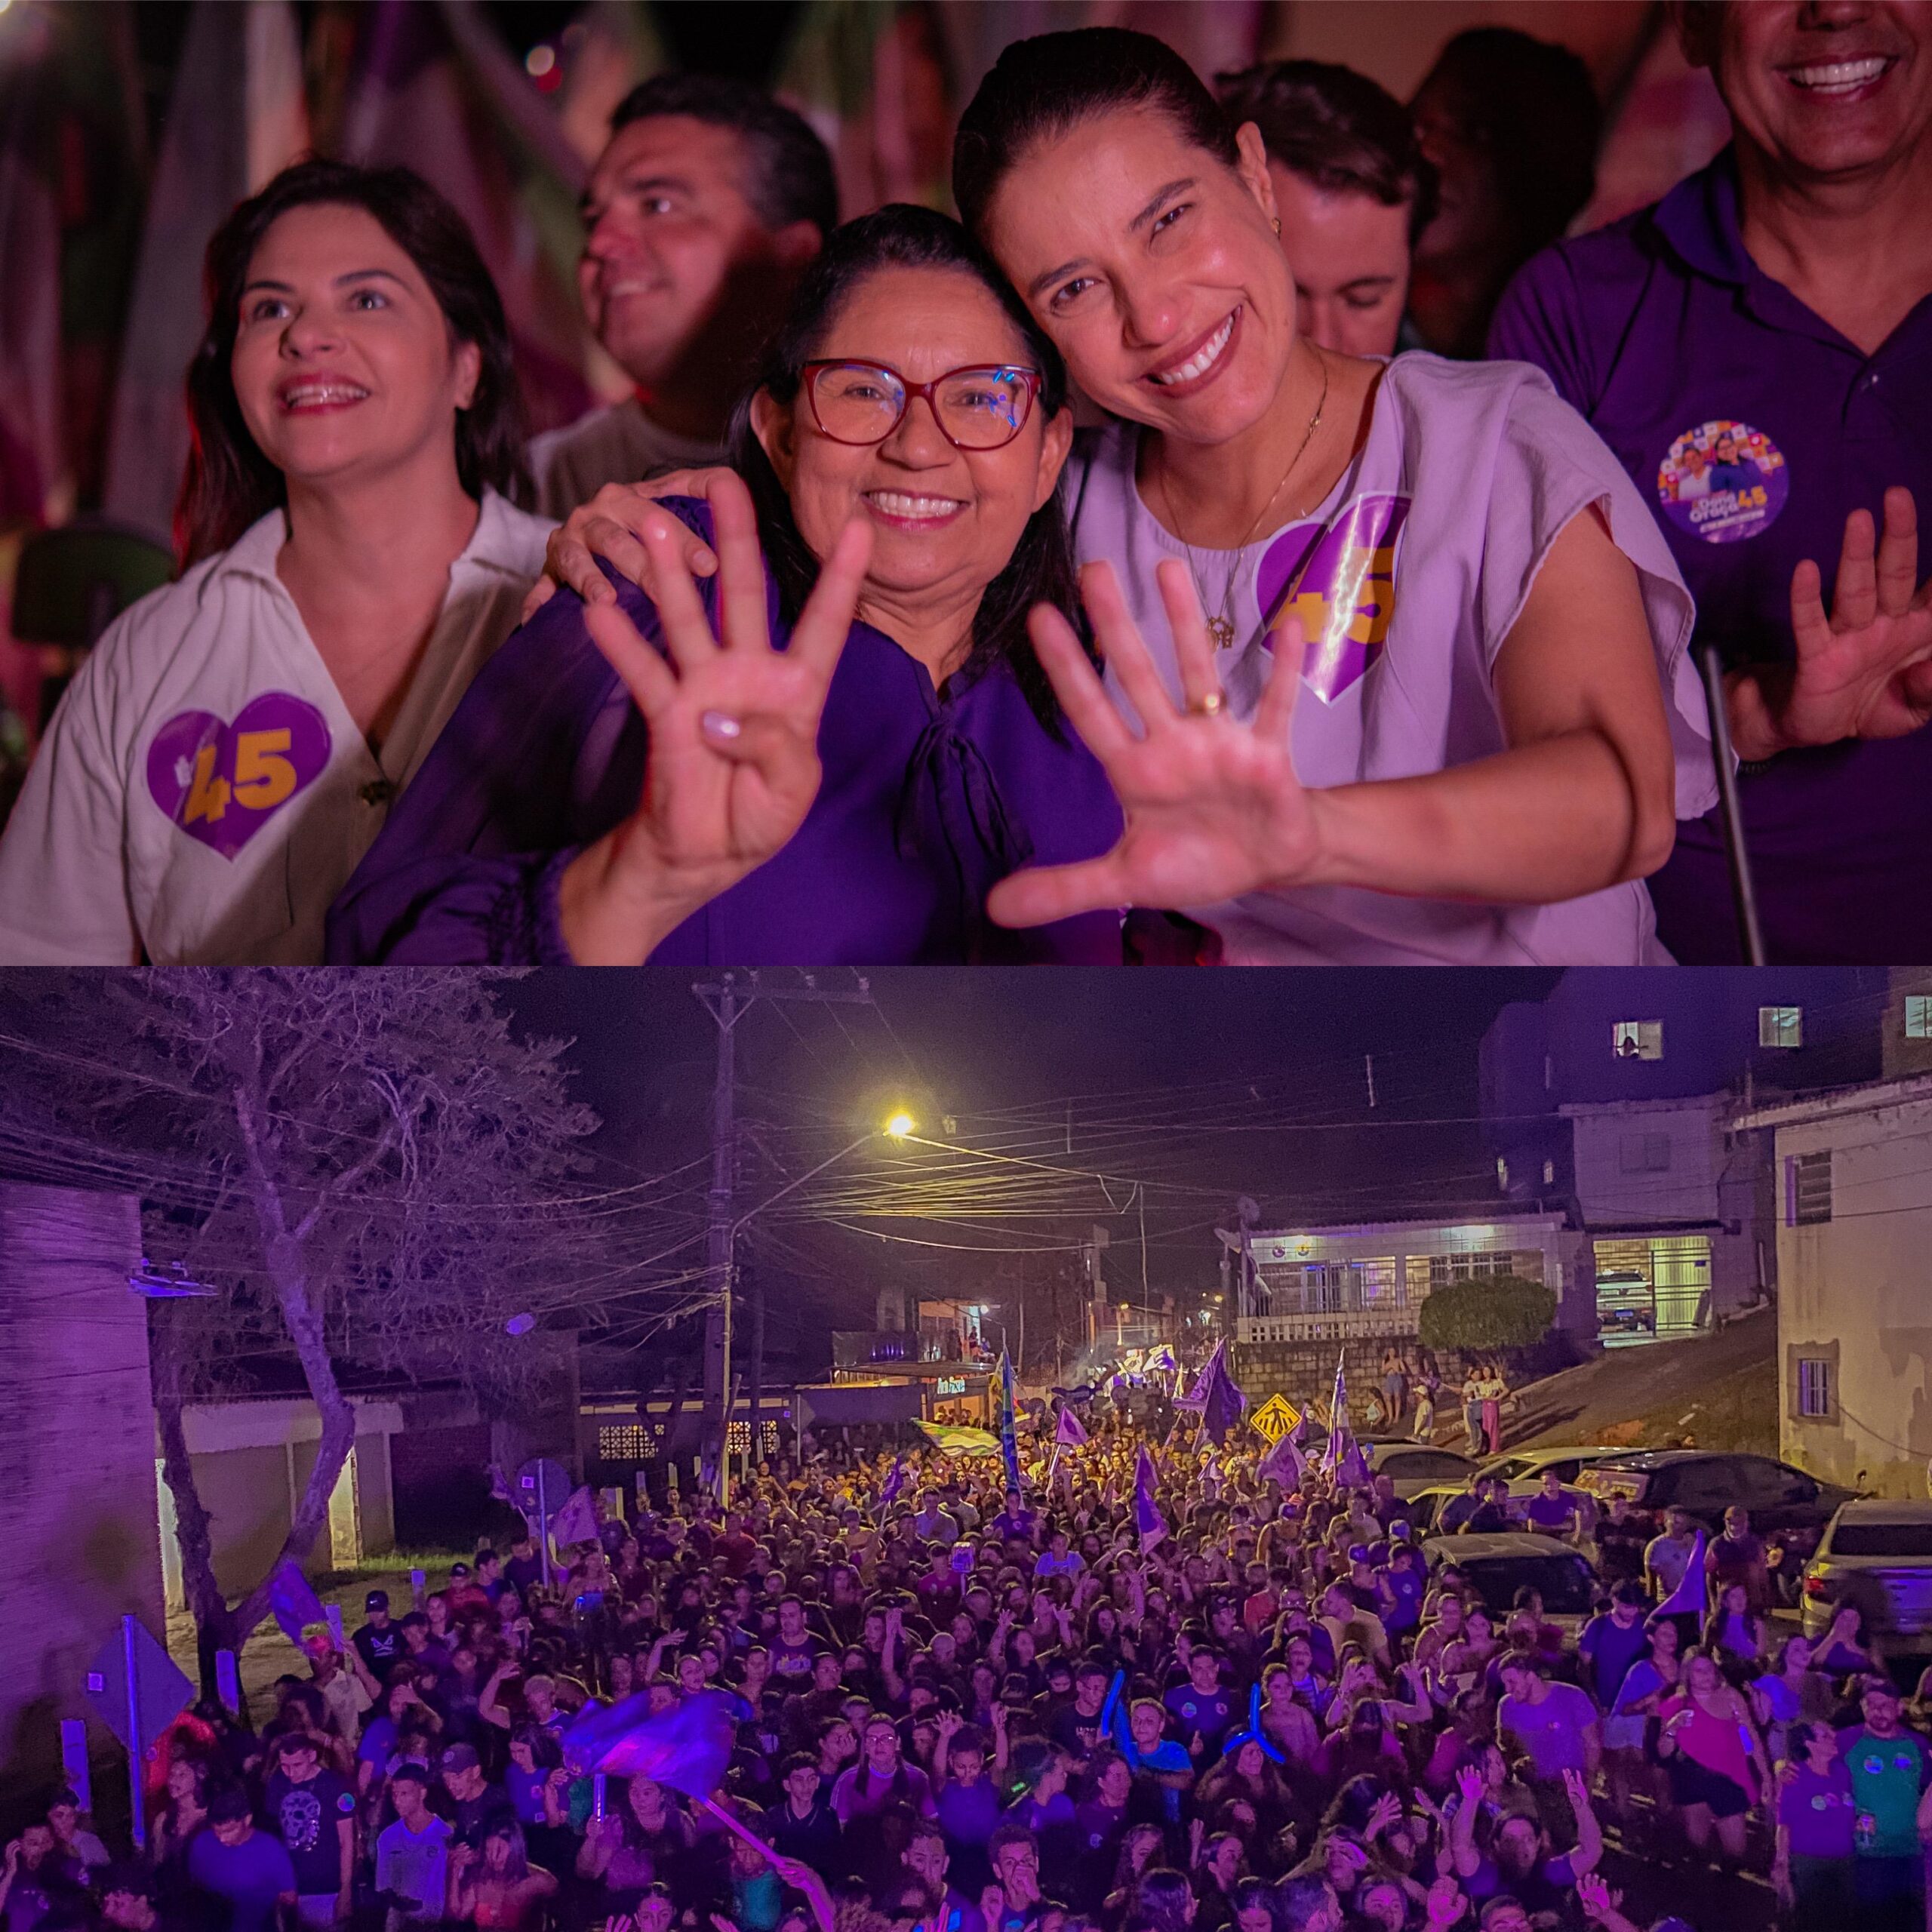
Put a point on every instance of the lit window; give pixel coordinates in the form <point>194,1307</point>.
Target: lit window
<point>1918,1016</point>
<point>1645,1153</point>
<point>1814,1386</point>
<point>1808,1189</point>
<point>1502,1171</point>
<point>1637,1039</point>
<point>626,1442</point>
<point>1780,1026</point>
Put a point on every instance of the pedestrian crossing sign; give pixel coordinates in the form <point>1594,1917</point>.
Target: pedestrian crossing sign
<point>1275,1417</point>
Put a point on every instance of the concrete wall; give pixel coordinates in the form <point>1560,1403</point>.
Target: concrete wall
<point>1856,1291</point>
<point>252,1462</point>
<point>1614,1143</point>
<point>77,1480</point>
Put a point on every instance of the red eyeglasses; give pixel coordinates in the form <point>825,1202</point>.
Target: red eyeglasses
<point>982,406</point>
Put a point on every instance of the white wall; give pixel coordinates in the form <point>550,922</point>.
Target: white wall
<point>1857,1291</point>
<point>1611,1189</point>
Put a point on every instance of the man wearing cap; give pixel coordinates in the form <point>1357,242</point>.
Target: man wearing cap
<point>345,1692</point>
<point>468,1800</point>
<point>1890,1770</point>
<point>1769,321</point>
<point>379,1642</point>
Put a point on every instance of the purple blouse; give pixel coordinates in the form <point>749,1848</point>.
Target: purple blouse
<point>928,799</point>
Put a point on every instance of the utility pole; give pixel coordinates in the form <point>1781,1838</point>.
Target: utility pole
<point>726,1006</point>
<point>727,1000</point>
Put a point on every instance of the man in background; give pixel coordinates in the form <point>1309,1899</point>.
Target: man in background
<point>1353,191</point>
<point>1774,311</point>
<point>701,213</point>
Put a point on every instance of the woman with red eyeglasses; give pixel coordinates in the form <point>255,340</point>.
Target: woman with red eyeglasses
<point>831,750</point>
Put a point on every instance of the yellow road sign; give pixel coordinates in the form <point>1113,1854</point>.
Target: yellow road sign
<point>1275,1417</point>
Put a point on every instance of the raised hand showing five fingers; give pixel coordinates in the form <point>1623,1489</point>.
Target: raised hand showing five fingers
<point>733,758</point>
<point>1863,671</point>
<point>1213,808</point>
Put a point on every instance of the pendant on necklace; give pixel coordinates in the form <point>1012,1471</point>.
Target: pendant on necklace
<point>1222,630</point>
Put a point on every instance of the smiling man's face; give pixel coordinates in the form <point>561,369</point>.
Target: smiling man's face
<point>1831,93</point>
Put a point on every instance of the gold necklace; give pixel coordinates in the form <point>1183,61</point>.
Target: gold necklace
<point>1221,628</point>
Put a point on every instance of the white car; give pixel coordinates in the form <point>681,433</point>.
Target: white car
<point>1414,1467</point>
<point>1877,1555</point>
<point>1522,1469</point>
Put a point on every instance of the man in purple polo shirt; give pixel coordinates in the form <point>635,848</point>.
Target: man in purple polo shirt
<point>1757,349</point>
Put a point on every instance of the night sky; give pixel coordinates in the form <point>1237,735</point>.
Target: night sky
<point>1206,1086</point>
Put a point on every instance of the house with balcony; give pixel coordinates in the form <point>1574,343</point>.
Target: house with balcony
<point>1304,1297</point>
<point>942,1351</point>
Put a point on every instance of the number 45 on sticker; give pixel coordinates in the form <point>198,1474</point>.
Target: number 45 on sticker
<point>263,777</point>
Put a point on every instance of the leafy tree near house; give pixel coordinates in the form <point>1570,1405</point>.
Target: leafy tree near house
<point>371,1171</point>
<point>1492,1315</point>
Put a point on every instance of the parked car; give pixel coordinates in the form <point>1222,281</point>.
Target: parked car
<point>1877,1555</point>
<point>1502,1564</point>
<point>1414,1466</point>
<point>1522,1469</point>
<point>1784,1503</point>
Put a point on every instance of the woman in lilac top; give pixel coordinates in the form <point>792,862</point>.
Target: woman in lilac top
<point>651,779</point>
<point>1396,656</point>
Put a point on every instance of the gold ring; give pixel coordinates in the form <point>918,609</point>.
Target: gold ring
<point>1212,705</point>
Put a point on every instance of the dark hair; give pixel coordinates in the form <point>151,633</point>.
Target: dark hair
<point>129,1876</point>
<point>792,179</point>
<point>1041,569</point>
<point>229,482</point>
<point>1041,88</point>
<point>1162,1900</point>
<point>230,1806</point>
<point>1336,128</point>
<point>1530,103</point>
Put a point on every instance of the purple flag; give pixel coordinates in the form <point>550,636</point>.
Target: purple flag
<point>1284,1463</point>
<point>894,1482</point>
<point>1338,1413</point>
<point>1147,1518</point>
<point>296,1606</point>
<point>577,1521</point>
<point>1687,1599</point>
<point>687,1748</point>
<point>1222,1401</point>
<point>1071,1432</point>
<point>1352,1469</point>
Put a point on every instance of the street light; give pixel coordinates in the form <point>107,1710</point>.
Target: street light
<point>899,1125</point>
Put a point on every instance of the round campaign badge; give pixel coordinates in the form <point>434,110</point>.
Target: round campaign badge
<point>1723,481</point>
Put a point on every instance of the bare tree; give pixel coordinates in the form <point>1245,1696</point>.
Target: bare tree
<point>368,1168</point>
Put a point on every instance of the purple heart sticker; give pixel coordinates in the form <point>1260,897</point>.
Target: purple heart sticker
<point>221,784</point>
<point>1341,583</point>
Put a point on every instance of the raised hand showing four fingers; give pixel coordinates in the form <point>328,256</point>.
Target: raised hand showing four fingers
<point>734,759</point>
<point>1213,808</point>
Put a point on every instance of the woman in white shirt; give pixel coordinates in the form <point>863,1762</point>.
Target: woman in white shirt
<point>230,749</point>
